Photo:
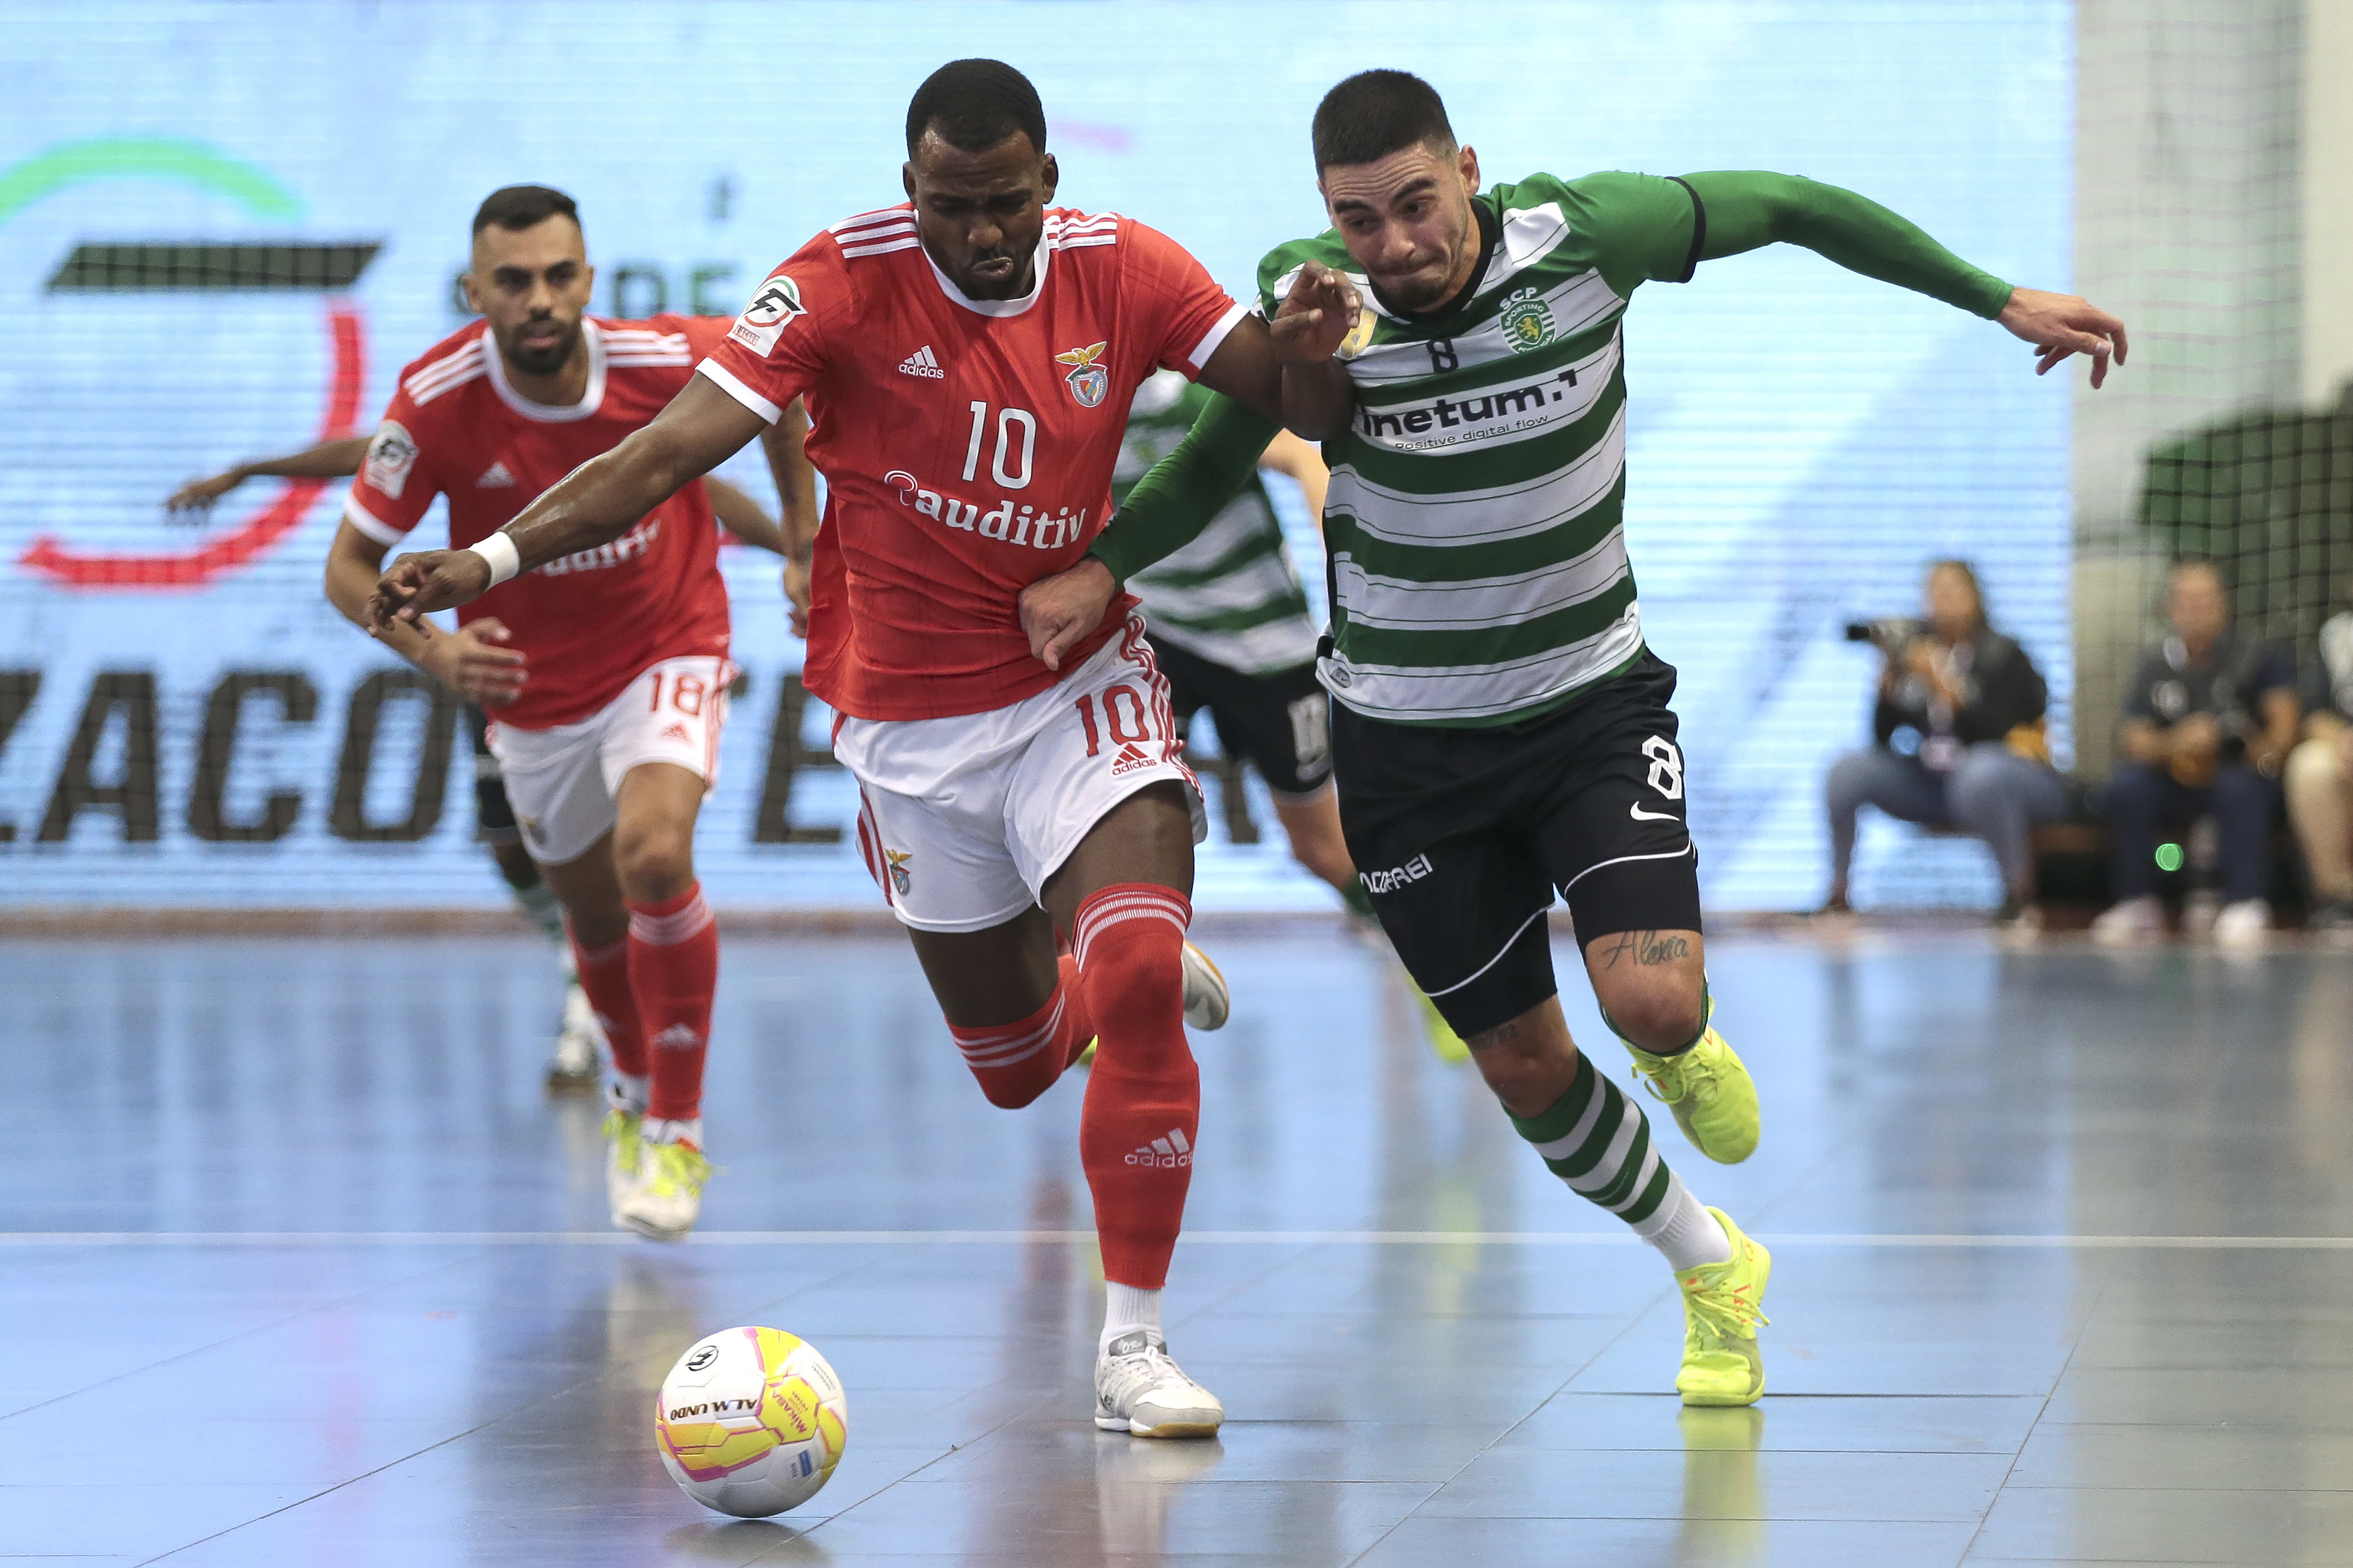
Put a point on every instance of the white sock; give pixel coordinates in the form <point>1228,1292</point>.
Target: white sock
<point>1127,1309</point>
<point>631,1091</point>
<point>1682,1229</point>
<point>686,1131</point>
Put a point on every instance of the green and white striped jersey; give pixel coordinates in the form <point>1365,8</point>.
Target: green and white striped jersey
<point>1231,596</point>
<point>1478,559</point>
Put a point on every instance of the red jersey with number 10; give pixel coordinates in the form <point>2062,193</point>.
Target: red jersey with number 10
<point>589,623</point>
<point>968,445</point>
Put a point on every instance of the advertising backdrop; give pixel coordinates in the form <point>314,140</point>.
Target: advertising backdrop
<point>185,722</point>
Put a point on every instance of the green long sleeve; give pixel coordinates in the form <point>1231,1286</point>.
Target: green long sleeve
<point>1746,209</point>
<point>1185,490</point>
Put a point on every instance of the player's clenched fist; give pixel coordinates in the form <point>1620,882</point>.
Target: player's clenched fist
<point>432,579</point>
<point>1056,612</point>
<point>474,662</point>
<point>1316,316</point>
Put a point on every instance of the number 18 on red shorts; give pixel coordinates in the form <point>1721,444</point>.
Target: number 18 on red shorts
<point>962,819</point>
<point>562,781</point>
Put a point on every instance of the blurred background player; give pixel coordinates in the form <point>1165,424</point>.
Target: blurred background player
<point>1229,622</point>
<point>969,358</point>
<point>2209,720</point>
<point>611,684</point>
<point>1500,729</point>
<point>576,1062</point>
<point>1973,703</point>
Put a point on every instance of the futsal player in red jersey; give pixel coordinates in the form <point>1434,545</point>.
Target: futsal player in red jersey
<point>605,669</point>
<point>968,360</point>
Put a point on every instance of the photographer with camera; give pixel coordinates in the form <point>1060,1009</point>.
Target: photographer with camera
<point>1958,738</point>
<point>2209,720</point>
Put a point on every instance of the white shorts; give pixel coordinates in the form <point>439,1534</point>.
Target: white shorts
<point>964,819</point>
<point>562,781</point>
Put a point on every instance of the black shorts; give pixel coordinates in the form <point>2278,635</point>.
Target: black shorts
<point>494,818</point>
<point>1280,721</point>
<point>1462,835</point>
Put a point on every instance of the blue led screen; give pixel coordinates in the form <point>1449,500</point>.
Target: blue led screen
<point>1802,440</point>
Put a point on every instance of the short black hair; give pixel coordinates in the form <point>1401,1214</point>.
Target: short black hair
<point>975,105</point>
<point>1375,113</point>
<point>518,208</point>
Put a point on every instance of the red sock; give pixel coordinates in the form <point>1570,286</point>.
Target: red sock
<point>605,976</point>
<point>1018,1062</point>
<point>673,968</point>
<point>1143,1099</point>
<point>1079,1029</point>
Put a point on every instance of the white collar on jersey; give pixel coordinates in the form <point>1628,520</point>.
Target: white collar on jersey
<point>1003,308</point>
<point>552,413</point>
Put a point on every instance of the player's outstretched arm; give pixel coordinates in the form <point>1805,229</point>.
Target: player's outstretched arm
<point>1746,209</point>
<point>596,503</point>
<point>327,460</point>
<point>1166,509</point>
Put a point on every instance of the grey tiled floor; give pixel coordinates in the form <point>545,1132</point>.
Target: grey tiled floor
<point>298,1264</point>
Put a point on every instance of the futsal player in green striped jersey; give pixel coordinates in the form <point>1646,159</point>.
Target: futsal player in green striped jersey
<point>1499,729</point>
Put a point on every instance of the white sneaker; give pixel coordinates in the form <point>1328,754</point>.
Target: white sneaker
<point>667,1199</point>
<point>1208,1002</point>
<point>1140,1389</point>
<point>579,1044</point>
<point>2243,925</point>
<point>623,1139</point>
<point>2133,921</point>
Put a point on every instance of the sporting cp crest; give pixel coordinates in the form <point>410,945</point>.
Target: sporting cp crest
<point>1527,321</point>
<point>1089,383</point>
<point>901,878</point>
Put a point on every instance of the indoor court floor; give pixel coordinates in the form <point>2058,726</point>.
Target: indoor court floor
<point>299,1264</point>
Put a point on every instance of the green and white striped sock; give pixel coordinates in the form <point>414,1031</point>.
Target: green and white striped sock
<point>1595,1139</point>
<point>538,902</point>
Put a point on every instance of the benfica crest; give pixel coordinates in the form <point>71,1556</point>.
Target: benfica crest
<point>1089,381</point>
<point>901,878</point>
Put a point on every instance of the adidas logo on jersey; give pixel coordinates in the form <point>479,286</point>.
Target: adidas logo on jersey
<point>495,477</point>
<point>1165,1152</point>
<point>921,362</point>
<point>1130,758</point>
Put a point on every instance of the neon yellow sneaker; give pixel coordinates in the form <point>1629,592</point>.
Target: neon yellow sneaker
<point>1444,1043</point>
<point>668,1195</point>
<point>622,1139</point>
<point>1722,1306</point>
<point>1711,1093</point>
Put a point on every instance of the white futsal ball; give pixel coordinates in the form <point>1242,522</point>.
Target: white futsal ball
<point>750,1422</point>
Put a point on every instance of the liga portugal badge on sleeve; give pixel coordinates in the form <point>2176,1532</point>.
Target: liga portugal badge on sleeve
<point>1089,383</point>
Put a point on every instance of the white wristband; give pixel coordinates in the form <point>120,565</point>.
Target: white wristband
<point>499,551</point>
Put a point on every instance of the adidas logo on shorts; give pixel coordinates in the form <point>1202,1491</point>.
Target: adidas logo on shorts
<point>1167,1153</point>
<point>1129,758</point>
<point>676,732</point>
<point>921,363</point>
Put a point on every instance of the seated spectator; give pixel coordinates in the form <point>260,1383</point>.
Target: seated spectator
<point>1968,703</point>
<point>2209,718</point>
<point>2320,779</point>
